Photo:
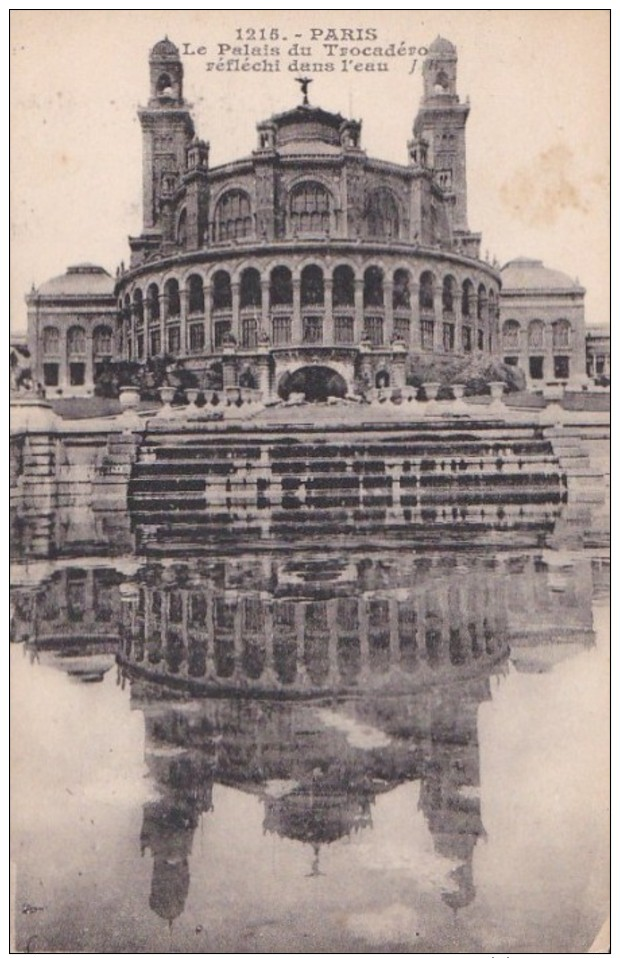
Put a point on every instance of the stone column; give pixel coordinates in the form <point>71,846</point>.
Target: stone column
<point>163,303</point>
<point>264,288</point>
<point>399,361</point>
<point>366,364</point>
<point>262,371</point>
<point>415,338</point>
<point>302,675</point>
<point>209,634</point>
<point>183,311</point>
<point>236,330</point>
<point>388,298</point>
<point>362,618</point>
<point>269,672</point>
<point>207,321</point>
<point>394,634</point>
<point>296,328</point>
<point>63,364</point>
<point>328,321</point>
<point>436,316</point>
<point>238,643</point>
<point>458,330</point>
<point>229,366</point>
<point>332,647</point>
<point>420,610</point>
<point>131,326</point>
<point>473,312</point>
<point>88,365</point>
<point>358,320</point>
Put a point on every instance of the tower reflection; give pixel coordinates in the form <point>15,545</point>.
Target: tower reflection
<point>316,686</point>
<point>317,768</point>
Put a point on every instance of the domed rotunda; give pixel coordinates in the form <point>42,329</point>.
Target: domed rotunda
<point>307,265</point>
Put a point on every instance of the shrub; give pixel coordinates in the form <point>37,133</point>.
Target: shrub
<point>474,374</point>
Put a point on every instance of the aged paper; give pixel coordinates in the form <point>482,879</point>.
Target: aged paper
<point>317,661</point>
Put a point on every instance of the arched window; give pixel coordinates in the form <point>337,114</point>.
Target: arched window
<point>222,292</point>
<point>172,297</point>
<point>492,304</point>
<point>467,298</point>
<point>247,379</point>
<point>561,334</point>
<point>427,291</point>
<point>381,214</point>
<point>281,286</point>
<point>51,341</point>
<point>441,82</point>
<point>102,341</point>
<point>152,301</point>
<point>401,295</point>
<point>182,228</point>
<point>164,85</point>
<point>233,216</point>
<point>343,289</point>
<point>196,294</point>
<point>138,305</point>
<point>536,334</point>
<point>310,208</point>
<point>312,286</point>
<point>250,290</point>
<point>510,334</point>
<point>76,341</point>
<point>482,302</point>
<point>448,294</point>
<point>373,286</point>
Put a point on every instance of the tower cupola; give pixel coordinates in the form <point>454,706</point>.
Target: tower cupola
<point>166,73</point>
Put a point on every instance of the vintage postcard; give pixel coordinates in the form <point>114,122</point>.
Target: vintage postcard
<point>310,372</point>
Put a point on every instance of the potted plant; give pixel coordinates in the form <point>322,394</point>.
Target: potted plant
<point>129,397</point>
<point>496,389</point>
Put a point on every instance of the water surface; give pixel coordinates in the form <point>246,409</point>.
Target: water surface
<point>369,753</point>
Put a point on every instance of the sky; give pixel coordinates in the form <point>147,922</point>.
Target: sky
<point>537,134</point>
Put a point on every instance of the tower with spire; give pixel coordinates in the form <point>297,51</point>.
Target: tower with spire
<point>167,131</point>
<point>439,128</point>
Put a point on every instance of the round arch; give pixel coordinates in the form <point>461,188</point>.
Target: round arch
<point>316,382</point>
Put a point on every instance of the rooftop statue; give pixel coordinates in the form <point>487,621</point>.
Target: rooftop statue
<point>304,83</point>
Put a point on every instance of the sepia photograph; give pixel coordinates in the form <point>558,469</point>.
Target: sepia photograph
<point>310,481</point>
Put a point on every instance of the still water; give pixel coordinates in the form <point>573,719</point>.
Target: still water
<point>360,752</point>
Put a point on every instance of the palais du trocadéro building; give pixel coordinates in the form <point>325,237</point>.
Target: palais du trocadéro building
<point>307,264</point>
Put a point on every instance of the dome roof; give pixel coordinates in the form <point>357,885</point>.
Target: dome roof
<point>532,274</point>
<point>165,48</point>
<point>441,45</point>
<point>309,129</point>
<point>85,279</point>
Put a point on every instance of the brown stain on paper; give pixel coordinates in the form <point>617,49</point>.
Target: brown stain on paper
<point>541,192</point>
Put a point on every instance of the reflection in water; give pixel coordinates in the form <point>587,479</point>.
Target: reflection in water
<point>314,686</point>
<point>317,786</point>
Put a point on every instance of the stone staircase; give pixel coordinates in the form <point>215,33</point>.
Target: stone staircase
<point>583,454</point>
<point>445,482</point>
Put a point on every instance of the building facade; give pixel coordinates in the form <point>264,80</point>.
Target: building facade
<point>598,352</point>
<point>308,253</point>
<point>72,323</point>
<point>307,266</point>
<point>542,323</point>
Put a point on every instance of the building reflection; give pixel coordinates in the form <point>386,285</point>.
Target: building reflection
<point>70,619</point>
<point>314,685</point>
<point>315,784</point>
<point>300,628</point>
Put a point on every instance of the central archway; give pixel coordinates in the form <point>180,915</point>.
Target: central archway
<point>316,383</point>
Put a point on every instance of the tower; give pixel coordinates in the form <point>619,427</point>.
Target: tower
<point>167,130</point>
<point>440,124</point>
